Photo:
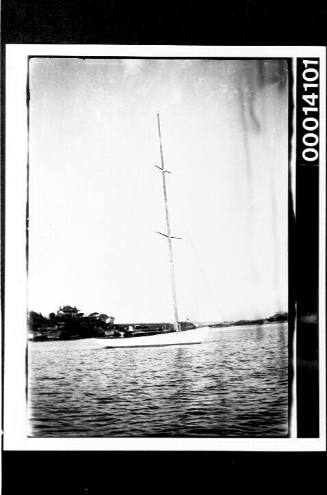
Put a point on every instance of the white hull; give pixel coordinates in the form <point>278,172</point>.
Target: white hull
<point>185,337</point>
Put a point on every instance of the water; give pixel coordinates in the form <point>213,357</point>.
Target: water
<point>234,385</point>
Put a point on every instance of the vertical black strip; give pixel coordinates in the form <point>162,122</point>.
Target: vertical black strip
<point>306,274</point>
<point>291,244</point>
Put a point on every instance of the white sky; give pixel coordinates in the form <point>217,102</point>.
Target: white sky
<point>96,198</point>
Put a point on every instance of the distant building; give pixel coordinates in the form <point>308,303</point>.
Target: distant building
<point>69,311</point>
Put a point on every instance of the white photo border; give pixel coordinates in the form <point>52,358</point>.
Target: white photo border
<point>15,351</point>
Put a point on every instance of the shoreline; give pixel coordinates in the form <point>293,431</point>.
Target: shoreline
<point>213,326</point>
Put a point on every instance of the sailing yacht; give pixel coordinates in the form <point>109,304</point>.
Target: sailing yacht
<point>178,336</point>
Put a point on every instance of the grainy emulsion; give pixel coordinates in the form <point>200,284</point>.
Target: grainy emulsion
<point>234,385</point>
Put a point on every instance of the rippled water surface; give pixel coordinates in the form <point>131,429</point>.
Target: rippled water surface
<point>236,384</point>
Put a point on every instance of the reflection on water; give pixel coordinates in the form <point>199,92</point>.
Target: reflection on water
<point>236,384</point>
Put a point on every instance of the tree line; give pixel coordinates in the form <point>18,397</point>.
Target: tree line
<point>69,322</point>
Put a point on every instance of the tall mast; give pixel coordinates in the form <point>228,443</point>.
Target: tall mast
<point>168,235</point>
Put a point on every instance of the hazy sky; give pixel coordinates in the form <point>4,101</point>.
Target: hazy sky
<point>96,199</point>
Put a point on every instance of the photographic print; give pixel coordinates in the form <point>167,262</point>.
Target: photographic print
<point>196,150</point>
<point>160,190</point>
